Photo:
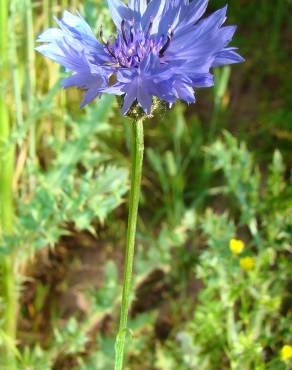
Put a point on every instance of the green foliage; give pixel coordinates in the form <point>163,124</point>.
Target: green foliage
<point>63,195</point>
<point>103,358</point>
<point>241,319</point>
<point>105,297</point>
<point>70,339</point>
<point>35,358</point>
<point>243,179</point>
<point>234,323</point>
<point>195,304</point>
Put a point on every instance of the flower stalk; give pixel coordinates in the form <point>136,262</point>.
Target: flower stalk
<point>137,162</point>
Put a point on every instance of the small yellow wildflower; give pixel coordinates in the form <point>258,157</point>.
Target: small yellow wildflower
<point>286,352</point>
<point>236,246</point>
<point>247,263</point>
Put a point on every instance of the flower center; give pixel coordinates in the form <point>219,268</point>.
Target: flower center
<point>133,44</point>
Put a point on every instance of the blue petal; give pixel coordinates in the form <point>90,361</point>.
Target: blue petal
<point>184,92</point>
<point>86,81</point>
<point>182,17</point>
<point>115,89</point>
<point>151,79</point>
<point>226,34</point>
<point>138,6</point>
<point>137,89</point>
<point>50,35</point>
<point>200,80</point>
<point>215,20</point>
<point>76,27</point>
<point>169,21</point>
<point>202,42</point>
<point>130,91</point>
<point>144,97</point>
<point>75,24</point>
<point>73,44</point>
<point>227,56</point>
<point>120,11</point>
<point>70,60</point>
<point>153,13</point>
<point>195,10</point>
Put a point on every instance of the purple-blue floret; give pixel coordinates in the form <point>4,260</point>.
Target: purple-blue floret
<point>163,48</point>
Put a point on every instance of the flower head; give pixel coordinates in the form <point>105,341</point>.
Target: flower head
<point>236,246</point>
<point>286,352</point>
<point>162,48</point>
<point>247,263</point>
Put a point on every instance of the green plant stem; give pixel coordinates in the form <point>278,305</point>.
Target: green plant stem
<point>31,81</point>
<point>137,162</point>
<point>278,20</point>
<point>15,65</point>
<point>46,13</point>
<point>64,4</point>
<point>221,84</point>
<point>6,204</point>
<point>10,317</point>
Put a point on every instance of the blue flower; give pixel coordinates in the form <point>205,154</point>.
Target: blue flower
<point>162,48</point>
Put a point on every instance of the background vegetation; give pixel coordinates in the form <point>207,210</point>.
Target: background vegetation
<point>215,171</point>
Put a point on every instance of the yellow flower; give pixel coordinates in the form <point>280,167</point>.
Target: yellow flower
<point>247,263</point>
<point>286,352</point>
<point>236,246</point>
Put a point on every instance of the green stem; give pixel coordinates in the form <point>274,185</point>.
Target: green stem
<point>137,162</point>
<point>6,204</point>
<point>10,316</point>
<point>221,84</point>
<point>30,82</point>
<point>46,13</point>
<point>64,5</point>
<point>278,20</point>
<point>15,65</point>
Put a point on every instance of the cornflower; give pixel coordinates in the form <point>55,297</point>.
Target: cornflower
<point>162,52</point>
<point>162,48</point>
